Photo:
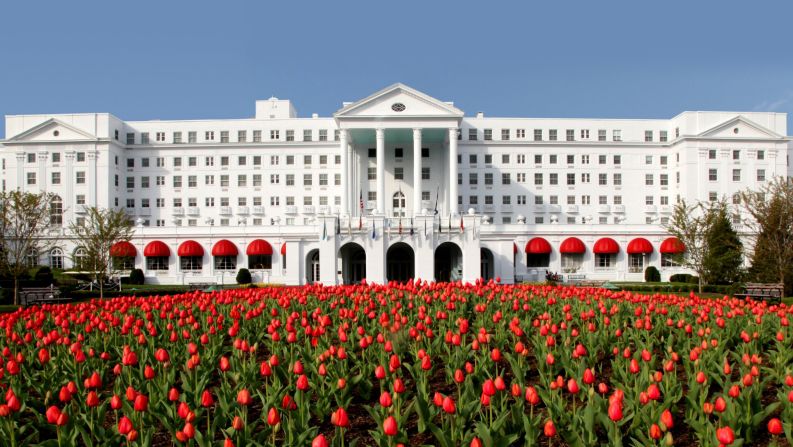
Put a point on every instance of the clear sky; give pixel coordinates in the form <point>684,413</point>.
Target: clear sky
<point>200,59</point>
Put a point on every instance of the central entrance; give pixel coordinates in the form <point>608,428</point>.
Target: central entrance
<point>448,262</point>
<point>400,262</point>
<point>486,264</point>
<point>353,263</point>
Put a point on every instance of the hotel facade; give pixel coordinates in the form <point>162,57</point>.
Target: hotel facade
<point>394,186</point>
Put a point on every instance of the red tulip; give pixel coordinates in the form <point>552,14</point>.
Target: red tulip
<point>340,418</point>
<point>206,399</point>
<point>273,418</point>
<point>115,402</point>
<point>666,419</point>
<point>399,386</point>
<point>161,355</point>
<point>302,383</point>
<point>225,365</point>
<point>385,399</point>
<point>572,386</point>
<point>92,400</point>
<point>549,430</point>
<point>448,405</point>
<point>476,442</point>
<point>655,431</point>
<point>188,430</point>
<point>319,441</point>
<point>425,363</point>
<point>53,413</point>
<point>489,388</point>
<point>390,426</point>
<point>720,405</point>
<point>725,435</point>
<point>44,356</point>
<point>124,425</point>
<point>589,377</point>
<point>141,403</point>
<point>244,397</point>
<point>237,424</point>
<point>615,411</point>
<point>775,427</point>
<point>379,372</point>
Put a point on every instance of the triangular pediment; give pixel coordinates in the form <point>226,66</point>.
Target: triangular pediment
<point>399,101</point>
<point>51,130</point>
<point>739,127</point>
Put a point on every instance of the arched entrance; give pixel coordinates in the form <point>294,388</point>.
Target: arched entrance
<point>486,264</point>
<point>353,263</point>
<point>312,266</point>
<point>400,262</point>
<point>448,262</point>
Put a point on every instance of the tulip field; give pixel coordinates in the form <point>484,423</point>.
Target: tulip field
<point>410,364</point>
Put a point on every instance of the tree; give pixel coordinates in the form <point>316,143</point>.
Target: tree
<point>25,221</point>
<point>724,250</point>
<point>96,235</point>
<point>690,223</point>
<point>769,216</point>
<point>244,276</point>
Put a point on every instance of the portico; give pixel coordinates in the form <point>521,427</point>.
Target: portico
<point>383,127</point>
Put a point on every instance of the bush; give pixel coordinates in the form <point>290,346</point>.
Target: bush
<point>136,277</point>
<point>44,276</point>
<point>684,277</point>
<point>651,274</point>
<point>244,276</point>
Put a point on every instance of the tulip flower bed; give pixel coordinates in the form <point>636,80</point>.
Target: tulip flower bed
<point>414,364</point>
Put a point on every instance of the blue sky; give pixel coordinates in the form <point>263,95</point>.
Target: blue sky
<point>199,59</point>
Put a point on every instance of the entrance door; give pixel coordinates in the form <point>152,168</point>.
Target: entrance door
<point>400,261</point>
<point>312,267</point>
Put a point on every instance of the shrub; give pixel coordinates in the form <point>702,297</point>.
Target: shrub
<point>136,277</point>
<point>44,276</point>
<point>244,276</point>
<point>651,274</point>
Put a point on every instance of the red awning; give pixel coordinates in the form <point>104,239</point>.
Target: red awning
<point>190,248</point>
<point>283,249</point>
<point>514,248</point>
<point>538,246</point>
<point>606,246</point>
<point>639,245</point>
<point>572,245</point>
<point>672,245</point>
<point>156,249</point>
<point>224,247</point>
<point>123,249</point>
<point>259,247</point>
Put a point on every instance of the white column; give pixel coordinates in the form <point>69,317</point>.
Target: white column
<point>345,173</point>
<point>416,171</point>
<point>41,179</point>
<point>68,182</point>
<point>380,137</point>
<point>453,170</point>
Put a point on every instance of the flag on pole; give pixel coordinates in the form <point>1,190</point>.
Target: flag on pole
<point>400,224</point>
<point>425,228</point>
<point>437,191</point>
<point>349,227</point>
<point>360,213</point>
<point>374,234</point>
<point>411,226</point>
<point>450,222</point>
<point>462,227</point>
<point>324,230</point>
<point>338,225</point>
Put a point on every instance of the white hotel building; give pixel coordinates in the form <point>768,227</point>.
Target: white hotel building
<point>282,195</point>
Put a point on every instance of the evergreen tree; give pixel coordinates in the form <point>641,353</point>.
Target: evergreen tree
<point>723,256</point>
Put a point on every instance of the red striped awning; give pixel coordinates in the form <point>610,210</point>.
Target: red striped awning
<point>538,246</point>
<point>224,247</point>
<point>259,247</point>
<point>156,249</point>
<point>123,249</point>
<point>283,249</point>
<point>190,248</point>
<point>572,245</point>
<point>639,245</point>
<point>672,245</point>
<point>606,246</point>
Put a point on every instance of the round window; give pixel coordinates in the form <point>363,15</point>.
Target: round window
<point>56,133</point>
<point>398,107</point>
<point>735,130</point>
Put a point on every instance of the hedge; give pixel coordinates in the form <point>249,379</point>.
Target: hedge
<point>88,294</point>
